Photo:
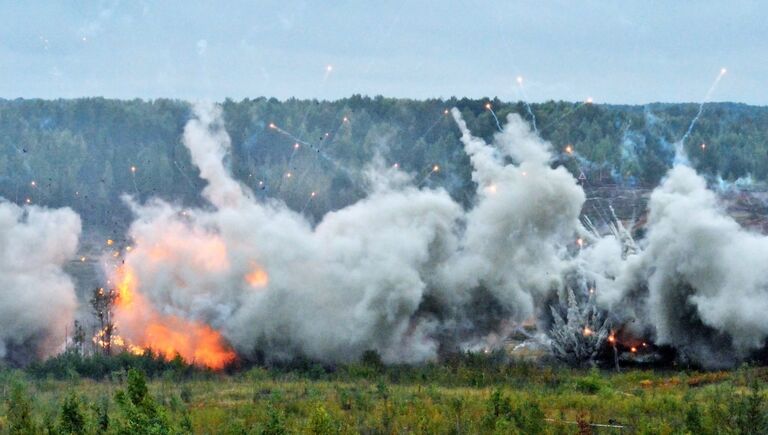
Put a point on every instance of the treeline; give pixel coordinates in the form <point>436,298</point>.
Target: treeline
<point>86,153</point>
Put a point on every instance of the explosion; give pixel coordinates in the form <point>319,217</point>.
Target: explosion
<point>147,329</point>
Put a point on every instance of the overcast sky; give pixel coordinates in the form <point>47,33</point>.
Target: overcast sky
<point>612,51</point>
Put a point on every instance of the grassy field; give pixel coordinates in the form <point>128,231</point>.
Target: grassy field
<point>460,398</point>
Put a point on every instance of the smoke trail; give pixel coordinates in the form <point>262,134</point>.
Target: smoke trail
<point>37,298</point>
<point>525,102</point>
<point>680,154</point>
<point>495,118</point>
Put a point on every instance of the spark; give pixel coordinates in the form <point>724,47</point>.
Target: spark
<point>580,242</point>
<point>28,201</point>
<point>296,146</point>
<point>82,259</point>
<point>519,80</point>
<point>589,100</point>
<point>272,125</point>
<point>396,166</point>
<point>633,349</point>
<point>328,68</point>
<point>591,291</point>
<point>129,248</point>
<point>436,168</point>
<point>133,169</point>
<point>312,195</point>
<point>345,119</point>
<point>33,183</point>
<point>703,146</point>
<point>569,149</point>
<point>110,242</point>
<point>288,175</point>
<point>587,331</point>
<point>445,112</point>
<point>525,174</point>
<point>611,339</point>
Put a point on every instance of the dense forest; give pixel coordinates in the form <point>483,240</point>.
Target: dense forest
<point>87,153</point>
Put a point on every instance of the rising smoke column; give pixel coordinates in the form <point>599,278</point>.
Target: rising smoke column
<point>37,298</point>
<point>513,248</point>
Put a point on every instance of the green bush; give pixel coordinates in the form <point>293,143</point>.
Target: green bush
<point>19,411</point>
<point>140,412</point>
<point>72,416</point>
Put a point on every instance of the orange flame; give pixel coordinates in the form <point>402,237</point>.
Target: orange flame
<point>143,327</point>
<point>257,277</point>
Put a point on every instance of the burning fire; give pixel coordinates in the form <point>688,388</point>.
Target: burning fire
<point>144,328</point>
<point>258,277</point>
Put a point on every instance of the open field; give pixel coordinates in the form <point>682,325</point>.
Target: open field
<point>464,397</point>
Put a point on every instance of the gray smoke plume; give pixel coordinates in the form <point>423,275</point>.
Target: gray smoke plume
<point>699,275</point>
<point>397,272</point>
<point>407,271</point>
<point>37,298</point>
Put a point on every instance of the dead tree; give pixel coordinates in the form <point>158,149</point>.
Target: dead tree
<point>102,303</point>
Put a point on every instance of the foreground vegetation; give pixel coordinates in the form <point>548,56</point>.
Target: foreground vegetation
<point>465,394</point>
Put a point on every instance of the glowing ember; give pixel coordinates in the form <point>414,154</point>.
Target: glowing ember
<point>257,277</point>
<point>587,331</point>
<point>435,168</point>
<point>569,149</point>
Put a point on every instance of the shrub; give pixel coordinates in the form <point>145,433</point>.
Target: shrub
<point>19,411</point>
<point>72,416</point>
<point>141,413</point>
<point>321,423</point>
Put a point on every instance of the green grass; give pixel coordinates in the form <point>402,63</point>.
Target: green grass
<point>498,398</point>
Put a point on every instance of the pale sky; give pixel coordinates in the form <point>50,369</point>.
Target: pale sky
<point>613,51</point>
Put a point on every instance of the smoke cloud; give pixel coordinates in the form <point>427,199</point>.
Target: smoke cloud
<point>406,271</point>
<point>37,298</point>
<point>699,280</point>
<point>397,272</point>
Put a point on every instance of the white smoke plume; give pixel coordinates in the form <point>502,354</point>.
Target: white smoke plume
<point>699,280</point>
<point>37,298</point>
<point>407,271</point>
<point>396,272</point>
